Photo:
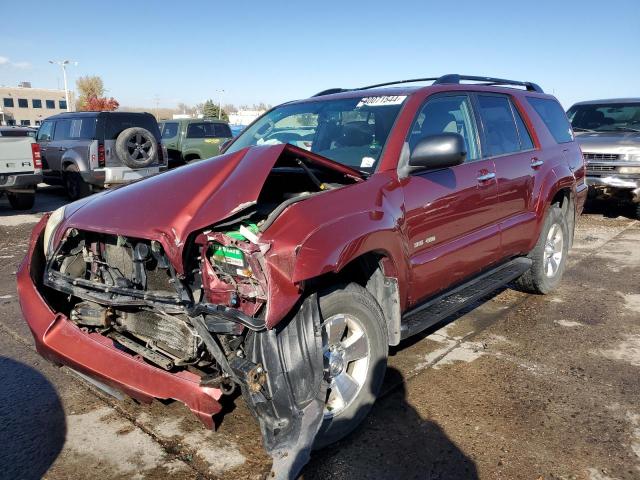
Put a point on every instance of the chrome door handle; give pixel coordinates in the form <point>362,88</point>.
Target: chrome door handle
<point>535,163</point>
<point>486,176</point>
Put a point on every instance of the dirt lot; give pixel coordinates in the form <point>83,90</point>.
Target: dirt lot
<point>521,386</point>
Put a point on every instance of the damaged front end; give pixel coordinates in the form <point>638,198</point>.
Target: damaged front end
<point>208,316</point>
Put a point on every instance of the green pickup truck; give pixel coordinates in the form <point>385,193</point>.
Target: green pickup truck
<point>192,139</point>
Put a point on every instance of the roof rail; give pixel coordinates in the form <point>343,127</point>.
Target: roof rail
<point>452,78</point>
<point>455,78</point>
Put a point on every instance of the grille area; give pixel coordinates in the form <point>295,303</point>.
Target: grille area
<point>601,168</point>
<point>601,156</point>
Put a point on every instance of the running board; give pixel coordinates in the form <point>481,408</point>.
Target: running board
<point>452,301</point>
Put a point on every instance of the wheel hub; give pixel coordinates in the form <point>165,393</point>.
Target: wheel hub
<point>553,250</point>
<point>335,362</point>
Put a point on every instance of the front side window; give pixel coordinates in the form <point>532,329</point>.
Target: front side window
<point>45,132</point>
<point>500,131</point>
<point>169,130</point>
<point>610,117</point>
<point>36,103</point>
<point>7,102</point>
<point>350,131</point>
<point>23,103</point>
<point>553,117</point>
<point>447,114</point>
<point>50,103</point>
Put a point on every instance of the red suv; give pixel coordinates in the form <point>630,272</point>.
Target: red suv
<point>330,229</point>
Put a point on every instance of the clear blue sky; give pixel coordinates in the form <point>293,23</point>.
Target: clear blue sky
<point>273,51</point>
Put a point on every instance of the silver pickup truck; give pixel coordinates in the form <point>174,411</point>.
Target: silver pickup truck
<point>20,166</point>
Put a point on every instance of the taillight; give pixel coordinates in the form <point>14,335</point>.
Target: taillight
<point>101,158</point>
<point>37,158</point>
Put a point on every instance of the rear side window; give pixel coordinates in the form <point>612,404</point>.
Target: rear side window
<point>500,131</point>
<point>75,129</point>
<point>196,130</point>
<point>169,129</point>
<point>116,123</point>
<point>553,117</point>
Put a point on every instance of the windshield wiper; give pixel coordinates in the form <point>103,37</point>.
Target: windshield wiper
<point>580,129</point>
<point>627,129</point>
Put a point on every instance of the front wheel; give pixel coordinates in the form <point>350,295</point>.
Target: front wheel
<point>549,256</point>
<point>355,347</point>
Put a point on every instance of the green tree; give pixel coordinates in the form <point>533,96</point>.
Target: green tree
<point>210,110</point>
<point>89,86</point>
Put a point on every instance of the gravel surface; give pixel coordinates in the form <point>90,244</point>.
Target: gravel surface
<point>519,386</point>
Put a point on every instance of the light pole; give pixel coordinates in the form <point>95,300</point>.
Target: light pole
<point>220,92</point>
<point>63,64</point>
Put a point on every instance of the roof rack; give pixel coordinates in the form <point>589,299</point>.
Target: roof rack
<point>452,78</point>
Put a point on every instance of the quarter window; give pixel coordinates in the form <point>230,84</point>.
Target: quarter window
<point>50,103</point>
<point>36,103</point>
<point>23,103</point>
<point>526,143</point>
<point>7,102</point>
<point>447,114</point>
<point>222,130</point>
<point>553,117</point>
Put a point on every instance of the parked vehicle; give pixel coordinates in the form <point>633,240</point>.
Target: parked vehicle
<point>192,139</point>
<point>609,133</point>
<point>20,167</point>
<point>86,151</point>
<point>289,271</point>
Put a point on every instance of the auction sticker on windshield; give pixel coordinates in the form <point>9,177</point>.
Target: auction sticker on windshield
<point>381,101</point>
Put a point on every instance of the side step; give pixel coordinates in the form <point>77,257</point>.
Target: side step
<point>451,301</point>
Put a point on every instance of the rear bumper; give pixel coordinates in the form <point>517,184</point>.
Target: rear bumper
<point>62,342</point>
<point>20,181</point>
<point>117,175</point>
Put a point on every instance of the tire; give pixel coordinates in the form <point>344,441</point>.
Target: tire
<point>356,309</point>
<point>547,268</point>
<point>74,184</point>
<point>22,200</point>
<point>136,147</point>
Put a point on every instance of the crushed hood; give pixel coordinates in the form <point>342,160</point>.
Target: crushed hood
<point>609,142</point>
<point>170,206</point>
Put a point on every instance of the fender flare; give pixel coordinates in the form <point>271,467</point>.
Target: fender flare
<point>71,157</point>
<point>559,178</point>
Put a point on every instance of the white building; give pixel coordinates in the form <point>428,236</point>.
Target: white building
<point>244,117</point>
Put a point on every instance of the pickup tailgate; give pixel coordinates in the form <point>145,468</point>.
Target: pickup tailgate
<point>16,155</point>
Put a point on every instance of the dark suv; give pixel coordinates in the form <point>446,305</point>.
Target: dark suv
<point>89,150</point>
<point>330,229</point>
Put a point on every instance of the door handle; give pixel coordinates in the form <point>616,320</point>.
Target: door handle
<point>536,162</point>
<point>486,177</point>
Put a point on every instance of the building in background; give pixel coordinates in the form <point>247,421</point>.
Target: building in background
<point>24,105</point>
<point>244,117</point>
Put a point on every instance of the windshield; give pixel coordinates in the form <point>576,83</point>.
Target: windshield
<point>610,117</point>
<point>349,131</point>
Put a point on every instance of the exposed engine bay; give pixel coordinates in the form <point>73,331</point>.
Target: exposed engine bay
<point>209,319</point>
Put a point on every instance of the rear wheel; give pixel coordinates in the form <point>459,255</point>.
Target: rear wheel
<point>22,200</point>
<point>76,187</point>
<point>355,350</point>
<point>549,256</point>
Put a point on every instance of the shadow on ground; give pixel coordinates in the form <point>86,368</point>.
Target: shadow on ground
<point>32,422</point>
<point>48,198</point>
<point>393,442</point>
<point>610,209</point>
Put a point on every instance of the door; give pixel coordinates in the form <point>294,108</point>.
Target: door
<point>450,219</point>
<point>58,145</point>
<point>507,140</point>
<point>44,138</point>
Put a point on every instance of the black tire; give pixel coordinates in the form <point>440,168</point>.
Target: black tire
<point>21,200</point>
<point>74,184</point>
<point>537,279</point>
<point>136,147</point>
<point>356,302</point>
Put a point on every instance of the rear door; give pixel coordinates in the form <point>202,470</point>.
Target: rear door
<point>507,140</point>
<point>450,219</point>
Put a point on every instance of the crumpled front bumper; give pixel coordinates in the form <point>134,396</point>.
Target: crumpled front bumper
<point>630,183</point>
<point>62,342</point>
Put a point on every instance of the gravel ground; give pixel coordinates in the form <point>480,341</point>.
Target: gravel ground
<point>531,387</point>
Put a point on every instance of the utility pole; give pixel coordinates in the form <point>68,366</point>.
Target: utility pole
<point>220,92</point>
<point>63,64</point>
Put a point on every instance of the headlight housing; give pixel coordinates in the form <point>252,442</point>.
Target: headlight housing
<point>55,220</point>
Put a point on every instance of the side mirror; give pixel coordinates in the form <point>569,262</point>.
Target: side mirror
<point>225,144</point>
<point>438,151</point>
